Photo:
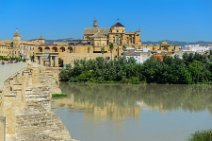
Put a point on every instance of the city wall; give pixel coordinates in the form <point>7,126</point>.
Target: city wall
<point>70,58</point>
<point>25,107</point>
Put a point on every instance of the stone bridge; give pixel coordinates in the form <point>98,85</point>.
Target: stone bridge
<point>8,70</point>
<point>25,107</point>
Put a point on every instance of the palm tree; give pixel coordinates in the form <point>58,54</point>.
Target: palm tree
<point>111,46</point>
<point>124,47</point>
<point>103,50</point>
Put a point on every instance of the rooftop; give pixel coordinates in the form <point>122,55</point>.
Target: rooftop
<point>17,34</point>
<point>95,30</point>
<point>118,24</point>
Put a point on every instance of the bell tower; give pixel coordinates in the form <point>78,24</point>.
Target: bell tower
<point>16,38</point>
<point>95,23</point>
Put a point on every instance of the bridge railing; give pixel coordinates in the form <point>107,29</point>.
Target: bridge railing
<point>8,70</point>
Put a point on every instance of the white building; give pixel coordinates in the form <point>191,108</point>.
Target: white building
<point>196,48</point>
<point>140,57</point>
<point>193,49</point>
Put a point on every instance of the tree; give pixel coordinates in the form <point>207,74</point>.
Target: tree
<point>169,71</point>
<point>60,62</point>
<point>111,47</point>
<point>199,72</point>
<point>32,58</point>
<point>124,47</point>
<point>102,50</point>
<point>201,136</point>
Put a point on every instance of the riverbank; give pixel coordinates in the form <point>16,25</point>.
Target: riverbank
<point>192,69</point>
<point>25,104</point>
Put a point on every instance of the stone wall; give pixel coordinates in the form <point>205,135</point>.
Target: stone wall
<point>70,58</point>
<point>1,102</point>
<point>2,128</point>
<point>26,106</point>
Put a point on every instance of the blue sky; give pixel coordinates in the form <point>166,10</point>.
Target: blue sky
<point>183,20</point>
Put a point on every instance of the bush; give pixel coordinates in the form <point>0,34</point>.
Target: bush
<point>202,136</point>
<point>135,80</point>
<point>57,96</point>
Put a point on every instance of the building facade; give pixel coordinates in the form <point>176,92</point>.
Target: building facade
<point>96,42</point>
<point>116,34</point>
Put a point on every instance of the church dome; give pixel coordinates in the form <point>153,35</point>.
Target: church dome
<point>118,24</point>
<point>41,38</point>
<point>164,44</point>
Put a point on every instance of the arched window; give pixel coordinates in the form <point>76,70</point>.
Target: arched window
<point>40,49</point>
<point>47,49</point>
<point>54,49</point>
<point>70,49</point>
<point>62,49</point>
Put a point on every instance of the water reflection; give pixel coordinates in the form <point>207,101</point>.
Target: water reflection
<point>118,102</point>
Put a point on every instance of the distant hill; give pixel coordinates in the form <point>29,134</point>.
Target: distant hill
<point>144,42</point>
<point>61,40</point>
<point>178,42</point>
<point>49,41</point>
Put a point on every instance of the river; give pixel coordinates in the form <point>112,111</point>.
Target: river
<point>115,112</point>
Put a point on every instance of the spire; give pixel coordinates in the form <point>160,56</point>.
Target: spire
<point>95,23</point>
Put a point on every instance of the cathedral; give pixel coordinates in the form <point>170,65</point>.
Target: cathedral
<point>116,34</point>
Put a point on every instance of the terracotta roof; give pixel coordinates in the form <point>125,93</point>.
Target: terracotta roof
<point>95,30</point>
<point>99,35</point>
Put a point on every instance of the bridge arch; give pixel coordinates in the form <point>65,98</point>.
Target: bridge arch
<point>40,49</point>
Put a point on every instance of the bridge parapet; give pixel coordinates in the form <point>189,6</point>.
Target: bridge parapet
<point>2,128</point>
<point>25,102</point>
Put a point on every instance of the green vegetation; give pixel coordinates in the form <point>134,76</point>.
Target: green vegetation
<point>60,62</point>
<point>192,69</point>
<point>57,96</point>
<point>17,59</point>
<point>111,47</point>
<point>202,136</point>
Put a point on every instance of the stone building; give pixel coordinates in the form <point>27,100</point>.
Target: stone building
<point>17,47</point>
<point>164,46</point>
<point>116,34</point>
<point>96,42</point>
